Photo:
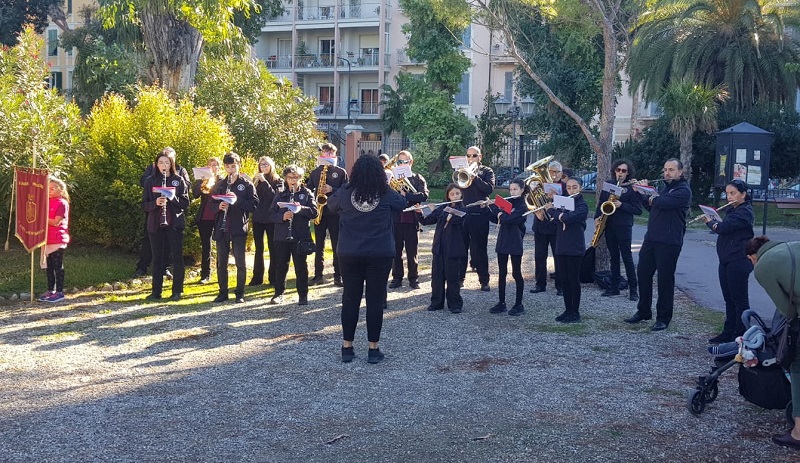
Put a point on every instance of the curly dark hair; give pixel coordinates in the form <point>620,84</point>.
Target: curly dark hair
<point>618,163</point>
<point>752,246</point>
<point>368,179</point>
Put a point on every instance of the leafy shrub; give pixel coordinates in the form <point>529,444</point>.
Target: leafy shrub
<point>124,139</point>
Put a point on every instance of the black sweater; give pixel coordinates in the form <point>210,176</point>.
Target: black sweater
<point>735,230</point>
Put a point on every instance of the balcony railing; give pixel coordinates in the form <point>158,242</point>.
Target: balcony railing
<point>369,107</point>
<point>403,58</point>
<point>355,11</point>
<point>339,109</point>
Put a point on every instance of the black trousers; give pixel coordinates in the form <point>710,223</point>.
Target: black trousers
<point>283,250</point>
<point>55,271</point>
<point>358,272</point>
<point>733,278</point>
<point>540,244</point>
<point>329,223</point>
<point>146,253</point>
<point>223,251</point>
<point>662,258</point>
<point>259,231</point>
<point>446,282</point>
<point>568,271</point>
<point>516,272</point>
<point>619,245</point>
<point>161,242</point>
<point>476,240</point>
<point>206,229</point>
<point>406,235</point>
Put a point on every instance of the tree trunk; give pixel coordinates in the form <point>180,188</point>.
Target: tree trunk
<point>685,139</point>
<point>636,124</point>
<point>172,49</point>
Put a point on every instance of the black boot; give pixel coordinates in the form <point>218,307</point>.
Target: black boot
<point>633,294</point>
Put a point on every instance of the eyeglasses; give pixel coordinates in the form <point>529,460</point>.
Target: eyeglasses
<point>621,171</point>
<point>292,177</point>
<point>264,165</point>
<point>403,161</point>
<point>472,155</point>
<point>554,171</point>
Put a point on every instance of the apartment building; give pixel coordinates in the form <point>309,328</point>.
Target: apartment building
<point>61,61</point>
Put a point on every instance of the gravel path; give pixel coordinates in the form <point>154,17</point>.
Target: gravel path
<point>99,380</point>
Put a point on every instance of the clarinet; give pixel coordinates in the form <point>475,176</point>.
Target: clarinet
<point>164,221</point>
<point>289,237</point>
<point>224,226</point>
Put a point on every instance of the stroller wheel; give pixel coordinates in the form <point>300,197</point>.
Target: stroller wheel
<point>789,414</point>
<point>695,402</point>
<point>711,392</point>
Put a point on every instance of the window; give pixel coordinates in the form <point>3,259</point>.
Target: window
<point>370,99</point>
<point>52,42</point>
<point>327,100</point>
<point>462,97</point>
<point>70,79</point>
<point>508,91</point>
<point>69,6</point>
<point>56,80</point>
<point>326,49</point>
<point>466,37</point>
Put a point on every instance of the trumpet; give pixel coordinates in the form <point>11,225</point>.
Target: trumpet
<point>732,203</point>
<point>464,177</point>
<point>164,221</point>
<point>208,184</point>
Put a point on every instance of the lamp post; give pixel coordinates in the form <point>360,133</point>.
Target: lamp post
<point>516,112</point>
<point>349,78</point>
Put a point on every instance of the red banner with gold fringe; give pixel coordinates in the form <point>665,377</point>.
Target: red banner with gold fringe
<point>32,206</point>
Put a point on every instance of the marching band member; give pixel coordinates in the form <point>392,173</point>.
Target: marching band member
<point>544,236</point>
<point>570,248</point>
<point>166,220</point>
<point>291,230</point>
<point>335,178</point>
<point>206,215</point>
<point>267,183</point>
<point>476,225</point>
<point>366,249</point>
<point>619,229</point>
<point>407,228</point>
<point>57,239</point>
<point>448,251</point>
<point>509,244</point>
<point>230,229</point>
<point>662,245</point>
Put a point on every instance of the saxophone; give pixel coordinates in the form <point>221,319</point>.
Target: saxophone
<point>322,200</point>
<point>606,209</point>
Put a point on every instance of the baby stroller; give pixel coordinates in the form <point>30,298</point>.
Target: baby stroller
<point>762,381</point>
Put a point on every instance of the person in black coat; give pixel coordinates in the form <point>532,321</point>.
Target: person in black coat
<point>406,228</point>
<point>146,255</point>
<point>544,237</point>
<point>292,229</point>
<point>619,229</point>
<point>230,229</point>
<point>448,251</point>
<point>335,178</point>
<point>366,249</point>
<point>206,216</point>
<point>166,220</point>
<point>476,225</point>
<point>734,232</point>
<point>662,245</point>
<point>267,183</point>
<point>570,248</point>
<point>509,244</point>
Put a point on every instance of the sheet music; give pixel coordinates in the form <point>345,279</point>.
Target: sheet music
<point>323,161</point>
<point>402,171</point>
<point>613,189</point>
<point>293,207</point>
<point>554,188</point>
<point>646,190</point>
<point>229,198</point>
<point>564,202</point>
<point>455,212</point>
<point>202,173</point>
<point>710,212</point>
<point>167,191</point>
<point>459,162</point>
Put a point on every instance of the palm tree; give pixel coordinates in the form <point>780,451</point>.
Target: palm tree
<point>742,44</point>
<point>690,107</point>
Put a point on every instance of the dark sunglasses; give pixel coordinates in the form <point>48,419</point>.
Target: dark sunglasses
<point>621,171</point>
<point>473,155</point>
<point>402,161</point>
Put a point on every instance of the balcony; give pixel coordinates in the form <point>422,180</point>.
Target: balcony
<point>341,110</point>
<point>500,54</point>
<point>350,11</point>
<point>404,60</point>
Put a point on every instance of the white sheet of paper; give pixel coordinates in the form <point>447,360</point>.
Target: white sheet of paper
<point>294,207</point>
<point>710,212</point>
<point>322,161</point>
<point>613,189</point>
<point>229,198</point>
<point>756,155</point>
<point>645,190</point>
<point>402,171</point>
<point>554,188</point>
<point>455,212</point>
<point>564,202</point>
<point>202,173</point>
<point>167,191</point>
<point>741,155</point>
<point>459,162</point>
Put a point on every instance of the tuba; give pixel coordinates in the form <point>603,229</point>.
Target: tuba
<point>322,200</point>
<point>537,198</point>
<point>463,177</point>
<point>398,185</point>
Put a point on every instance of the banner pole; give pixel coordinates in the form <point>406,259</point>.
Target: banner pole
<point>33,251</point>
<point>11,208</point>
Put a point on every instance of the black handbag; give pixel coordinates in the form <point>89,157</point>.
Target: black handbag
<point>307,248</point>
<point>787,340</point>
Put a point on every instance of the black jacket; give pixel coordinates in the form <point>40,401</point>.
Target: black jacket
<point>368,230</point>
<point>448,239</point>
<point>176,208</point>
<point>266,194</point>
<point>300,227</point>
<point>336,177</point>
<point>238,217</point>
<point>623,216</point>
<point>419,184</point>
<point>512,227</point>
<point>151,169</point>
<point>570,228</point>
<point>735,230</point>
<point>480,189</point>
<point>546,227</point>
<point>205,199</point>
<point>667,221</point>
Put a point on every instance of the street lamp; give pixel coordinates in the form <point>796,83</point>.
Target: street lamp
<point>516,112</point>
<point>353,111</point>
<point>349,78</point>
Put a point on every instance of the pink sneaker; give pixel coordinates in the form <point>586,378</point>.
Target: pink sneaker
<point>46,296</point>
<point>56,297</point>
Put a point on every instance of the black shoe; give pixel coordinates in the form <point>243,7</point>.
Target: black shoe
<point>337,281</point>
<point>553,276</point>
<point>559,292</point>
<point>633,294</point>
<point>302,301</point>
<point>659,326</point>
<point>610,292</point>
<point>518,309</point>
<point>348,354</point>
<point>538,289</point>
<point>255,282</point>
<point>240,299</point>
<point>153,297</point>
<point>456,310</point>
<point>571,318</point>
<point>786,440</point>
<point>561,317</point>
<point>395,284</point>
<point>276,299</point>
<point>176,297</point>
<point>636,318</point>
<point>167,274</point>
<point>722,337</point>
<point>485,287</point>
<point>499,308</point>
<point>461,284</point>
<point>374,356</point>
<point>432,308</point>
<point>139,273</point>
<point>221,298</point>
<point>413,284</point>
<point>317,280</point>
